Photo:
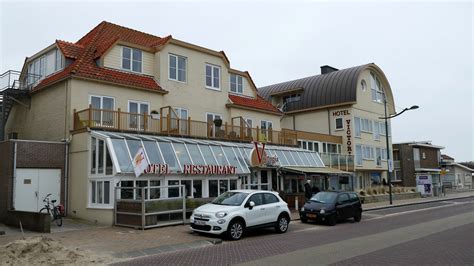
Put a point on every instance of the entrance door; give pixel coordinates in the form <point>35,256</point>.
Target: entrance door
<point>32,186</point>
<point>259,179</point>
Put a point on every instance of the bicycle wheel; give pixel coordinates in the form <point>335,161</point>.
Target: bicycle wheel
<point>58,217</point>
<point>44,210</point>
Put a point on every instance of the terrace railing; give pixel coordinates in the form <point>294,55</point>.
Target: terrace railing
<point>170,125</point>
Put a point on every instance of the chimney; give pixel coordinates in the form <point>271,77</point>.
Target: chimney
<point>327,69</point>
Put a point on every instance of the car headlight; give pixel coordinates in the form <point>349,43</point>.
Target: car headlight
<point>221,214</point>
<point>322,211</point>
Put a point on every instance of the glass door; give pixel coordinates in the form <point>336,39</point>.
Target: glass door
<point>102,113</point>
<point>136,114</point>
<point>214,130</point>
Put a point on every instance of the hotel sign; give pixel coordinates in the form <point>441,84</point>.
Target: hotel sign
<point>348,131</point>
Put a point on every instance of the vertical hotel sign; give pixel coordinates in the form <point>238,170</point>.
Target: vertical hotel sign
<point>348,127</point>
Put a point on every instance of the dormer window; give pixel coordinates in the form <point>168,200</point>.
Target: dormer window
<point>236,84</point>
<point>291,98</point>
<point>377,90</point>
<point>132,59</point>
<point>45,65</point>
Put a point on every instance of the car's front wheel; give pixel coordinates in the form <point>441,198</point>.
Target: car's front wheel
<point>235,230</point>
<point>282,224</point>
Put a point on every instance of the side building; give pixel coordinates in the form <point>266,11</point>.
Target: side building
<point>346,103</point>
<point>417,164</point>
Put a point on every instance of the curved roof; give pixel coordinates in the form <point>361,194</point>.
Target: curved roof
<point>335,88</point>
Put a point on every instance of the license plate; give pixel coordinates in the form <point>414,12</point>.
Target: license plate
<point>199,222</point>
<point>311,215</point>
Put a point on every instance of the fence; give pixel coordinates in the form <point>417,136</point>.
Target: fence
<point>146,207</point>
<point>145,211</point>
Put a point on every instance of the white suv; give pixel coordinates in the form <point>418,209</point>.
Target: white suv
<point>235,211</point>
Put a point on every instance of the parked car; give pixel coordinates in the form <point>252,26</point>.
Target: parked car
<point>234,212</point>
<point>331,207</point>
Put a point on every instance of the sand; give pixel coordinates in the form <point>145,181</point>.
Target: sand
<point>46,251</point>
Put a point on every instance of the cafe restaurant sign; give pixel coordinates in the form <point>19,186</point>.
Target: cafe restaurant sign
<point>190,169</point>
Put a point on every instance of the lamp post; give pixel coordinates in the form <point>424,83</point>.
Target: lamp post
<point>386,140</point>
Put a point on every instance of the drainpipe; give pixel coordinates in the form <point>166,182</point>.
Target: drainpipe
<point>14,174</point>
<point>66,174</point>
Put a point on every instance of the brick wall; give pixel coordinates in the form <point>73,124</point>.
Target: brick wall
<point>6,173</point>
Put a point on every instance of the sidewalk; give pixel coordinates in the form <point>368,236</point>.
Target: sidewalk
<point>125,243</point>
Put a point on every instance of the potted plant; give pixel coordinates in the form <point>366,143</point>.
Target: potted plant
<point>155,115</point>
<point>218,122</point>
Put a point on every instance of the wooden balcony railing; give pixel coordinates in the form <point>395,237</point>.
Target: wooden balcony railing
<point>169,125</point>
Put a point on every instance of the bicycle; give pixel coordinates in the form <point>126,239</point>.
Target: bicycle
<point>56,212</point>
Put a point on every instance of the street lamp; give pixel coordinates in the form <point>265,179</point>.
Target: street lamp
<point>386,140</point>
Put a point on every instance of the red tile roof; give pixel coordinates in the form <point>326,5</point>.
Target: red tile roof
<point>93,45</point>
<point>254,103</point>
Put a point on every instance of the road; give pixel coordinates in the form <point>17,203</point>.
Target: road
<point>433,233</point>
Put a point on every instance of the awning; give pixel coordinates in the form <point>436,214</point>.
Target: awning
<point>316,170</point>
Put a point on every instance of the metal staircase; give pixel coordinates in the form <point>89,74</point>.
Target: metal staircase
<point>14,89</point>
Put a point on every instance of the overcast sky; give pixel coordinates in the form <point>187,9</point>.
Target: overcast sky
<point>424,48</point>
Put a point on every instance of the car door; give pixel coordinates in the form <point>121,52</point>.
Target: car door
<point>343,205</point>
<point>256,215</point>
<point>272,207</point>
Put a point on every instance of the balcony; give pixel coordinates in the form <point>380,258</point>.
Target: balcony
<point>167,123</point>
<point>12,79</point>
<point>338,161</point>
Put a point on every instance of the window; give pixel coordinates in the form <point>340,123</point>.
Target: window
<point>100,192</point>
<point>376,130</point>
<point>357,127</point>
<point>266,126</point>
<point>363,85</point>
<point>213,76</point>
<point>100,157</point>
<point>257,199</point>
<point>236,84</point>
<point>45,65</point>
<point>382,128</point>
<point>378,156</point>
<point>102,114</point>
<point>292,98</point>
<point>215,131</point>
<point>183,120</point>
<point>358,155</point>
<point>174,189</point>
<point>136,116</point>
<point>377,90</point>
<point>366,125</point>
<point>367,152</point>
<point>339,123</point>
<point>219,186</point>
<point>249,125</point>
<point>177,68</point>
<point>384,154</point>
<point>132,59</point>
<point>269,198</point>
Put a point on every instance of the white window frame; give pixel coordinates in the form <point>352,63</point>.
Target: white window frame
<point>102,105</point>
<point>212,87</point>
<point>131,60</point>
<point>375,88</point>
<point>267,123</point>
<point>237,77</point>
<point>97,204</point>
<point>359,155</point>
<point>176,58</point>
<point>342,123</point>
<point>104,159</point>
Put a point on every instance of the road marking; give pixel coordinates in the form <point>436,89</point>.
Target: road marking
<point>349,248</point>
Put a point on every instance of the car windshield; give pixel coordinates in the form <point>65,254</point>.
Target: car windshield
<point>324,197</point>
<point>230,198</point>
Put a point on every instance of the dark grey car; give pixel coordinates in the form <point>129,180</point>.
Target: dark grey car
<point>331,207</point>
